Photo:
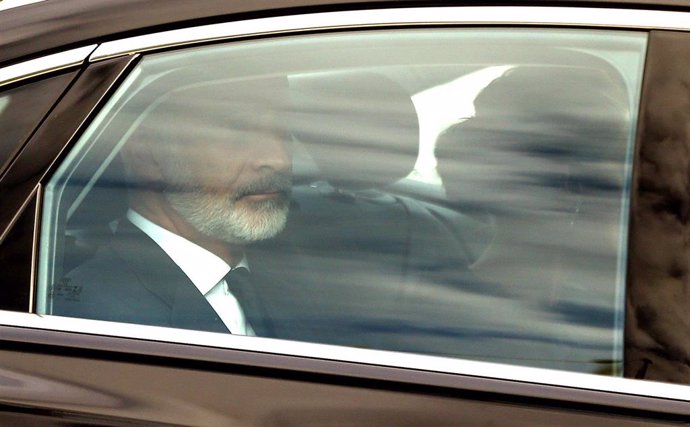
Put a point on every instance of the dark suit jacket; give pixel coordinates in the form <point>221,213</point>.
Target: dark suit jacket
<point>348,270</point>
<point>131,279</point>
<point>369,267</point>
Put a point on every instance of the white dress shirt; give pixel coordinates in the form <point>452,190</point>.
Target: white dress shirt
<point>203,268</point>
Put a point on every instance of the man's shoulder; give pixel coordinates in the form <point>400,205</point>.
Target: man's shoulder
<point>112,284</point>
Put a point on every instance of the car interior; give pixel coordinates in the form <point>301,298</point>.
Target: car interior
<point>395,261</point>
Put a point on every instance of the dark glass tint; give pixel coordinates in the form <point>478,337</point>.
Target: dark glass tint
<point>21,110</point>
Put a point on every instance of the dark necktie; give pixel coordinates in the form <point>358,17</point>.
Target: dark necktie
<point>240,286</point>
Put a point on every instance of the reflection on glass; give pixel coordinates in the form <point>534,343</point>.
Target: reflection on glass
<point>543,158</point>
<point>4,102</point>
<point>441,106</point>
<point>458,193</point>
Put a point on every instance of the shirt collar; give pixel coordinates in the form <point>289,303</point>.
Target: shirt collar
<point>202,267</point>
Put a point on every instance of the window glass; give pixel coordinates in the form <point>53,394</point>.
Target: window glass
<point>22,108</point>
<point>451,192</point>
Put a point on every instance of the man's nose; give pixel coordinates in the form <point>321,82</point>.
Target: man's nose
<point>273,152</point>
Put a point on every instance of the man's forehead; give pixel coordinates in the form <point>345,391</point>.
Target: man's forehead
<point>209,108</point>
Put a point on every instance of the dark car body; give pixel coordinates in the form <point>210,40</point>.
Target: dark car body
<point>65,58</point>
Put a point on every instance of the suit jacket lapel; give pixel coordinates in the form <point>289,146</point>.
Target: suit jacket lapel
<point>162,277</point>
<point>190,310</point>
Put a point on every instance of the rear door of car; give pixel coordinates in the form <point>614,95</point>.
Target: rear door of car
<point>582,268</point>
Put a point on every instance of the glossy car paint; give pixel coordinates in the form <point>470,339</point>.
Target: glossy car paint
<point>195,385</point>
<point>657,335</point>
<point>55,25</point>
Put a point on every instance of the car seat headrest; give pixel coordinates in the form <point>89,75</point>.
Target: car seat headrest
<point>568,105</point>
<point>360,128</point>
<point>545,126</point>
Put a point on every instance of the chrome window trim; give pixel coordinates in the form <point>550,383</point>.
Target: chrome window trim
<point>45,64</point>
<point>381,358</point>
<point>34,246</point>
<point>471,15</point>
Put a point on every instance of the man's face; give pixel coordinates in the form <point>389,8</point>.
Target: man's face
<point>229,176</point>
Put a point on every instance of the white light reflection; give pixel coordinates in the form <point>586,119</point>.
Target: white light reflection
<point>440,107</point>
<point>4,102</point>
<point>10,4</point>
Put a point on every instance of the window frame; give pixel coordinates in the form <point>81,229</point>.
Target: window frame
<point>44,65</point>
<point>115,58</point>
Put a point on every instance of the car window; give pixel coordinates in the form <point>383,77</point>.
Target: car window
<point>21,109</point>
<point>450,192</point>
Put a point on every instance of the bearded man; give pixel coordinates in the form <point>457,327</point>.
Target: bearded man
<point>209,174</point>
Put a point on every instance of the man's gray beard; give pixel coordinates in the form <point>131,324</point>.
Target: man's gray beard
<point>218,216</point>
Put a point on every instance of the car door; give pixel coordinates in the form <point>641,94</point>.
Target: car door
<point>446,221</point>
